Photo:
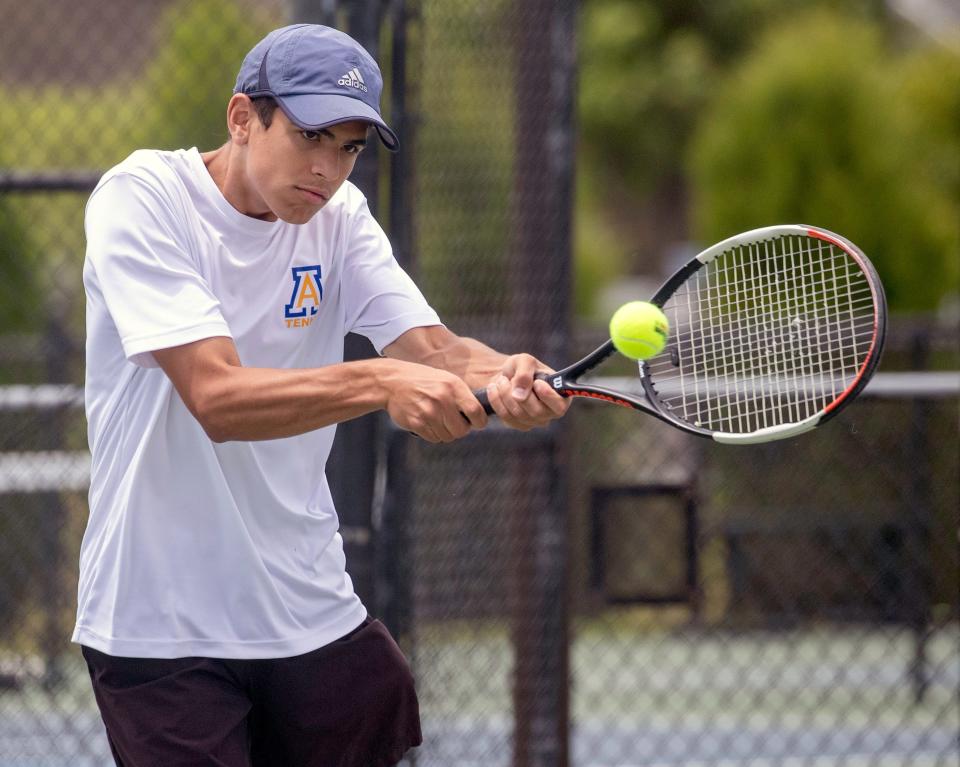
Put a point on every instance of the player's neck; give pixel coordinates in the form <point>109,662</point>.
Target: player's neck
<point>225,166</point>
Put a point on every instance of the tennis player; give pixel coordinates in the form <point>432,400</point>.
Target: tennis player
<point>215,614</point>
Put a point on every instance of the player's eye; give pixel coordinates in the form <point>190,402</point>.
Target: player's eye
<point>352,148</point>
<point>311,135</point>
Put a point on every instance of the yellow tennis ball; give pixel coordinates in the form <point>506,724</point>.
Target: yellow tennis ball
<point>639,330</point>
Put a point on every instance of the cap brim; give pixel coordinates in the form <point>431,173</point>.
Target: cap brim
<point>314,111</point>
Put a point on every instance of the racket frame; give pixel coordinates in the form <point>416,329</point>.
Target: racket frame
<point>566,382</point>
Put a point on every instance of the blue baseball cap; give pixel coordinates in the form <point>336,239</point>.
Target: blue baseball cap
<point>318,76</point>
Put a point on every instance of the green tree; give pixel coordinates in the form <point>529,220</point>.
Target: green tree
<point>191,78</point>
<point>648,70</point>
<point>464,70</point>
<point>178,100</point>
<point>648,67</point>
<point>19,292</point>
<point>816,127</point>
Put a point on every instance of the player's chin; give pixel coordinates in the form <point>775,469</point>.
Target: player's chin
<point>298,212</point>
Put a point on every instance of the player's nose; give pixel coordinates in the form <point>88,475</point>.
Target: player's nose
<point>326,164</point>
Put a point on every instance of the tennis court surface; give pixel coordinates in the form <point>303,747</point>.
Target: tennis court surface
<point>821,698</point>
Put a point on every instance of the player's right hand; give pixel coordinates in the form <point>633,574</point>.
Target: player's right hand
<point>432,403</point>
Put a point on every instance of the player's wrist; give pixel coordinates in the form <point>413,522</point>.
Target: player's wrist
<point>387,377</point>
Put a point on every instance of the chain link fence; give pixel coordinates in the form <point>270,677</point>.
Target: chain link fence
<point>794,603</point>
<point>83,85</point>
<point>642,598</point>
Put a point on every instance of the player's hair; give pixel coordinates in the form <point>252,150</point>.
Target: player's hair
<point>264,106</point>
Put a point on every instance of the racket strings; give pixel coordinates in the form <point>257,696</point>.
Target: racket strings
<point>766,334</point>
<point>785,357</point>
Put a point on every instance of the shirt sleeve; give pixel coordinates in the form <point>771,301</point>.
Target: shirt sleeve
<point>382,302</point>
<point>153,287</point>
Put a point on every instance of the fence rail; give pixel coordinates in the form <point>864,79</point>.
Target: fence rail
<point>49,181</point>
<point>59,470</point>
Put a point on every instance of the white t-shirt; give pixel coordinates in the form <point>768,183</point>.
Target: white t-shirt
<point>192,547</point>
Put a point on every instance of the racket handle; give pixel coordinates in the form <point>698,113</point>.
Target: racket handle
<point>481,395</point>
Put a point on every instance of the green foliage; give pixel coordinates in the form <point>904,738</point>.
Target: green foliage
<point>648,67</point>
<point>41,235</point>
<point>56,127</point>
<point>640,85</point>
<point>19,292</point>
<point>818,126</point>
<point>178,100</point>
<point>928,87</point>
<point>463,211</point>
<point>191,79</point>
<point>648,71</point>
<point>599,256</point>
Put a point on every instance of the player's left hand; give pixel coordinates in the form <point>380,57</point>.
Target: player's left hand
<point>521,401</point>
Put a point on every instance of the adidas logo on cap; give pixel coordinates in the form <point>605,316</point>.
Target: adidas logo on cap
<point>353,79</point>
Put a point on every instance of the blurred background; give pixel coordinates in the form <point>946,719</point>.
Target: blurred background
<point>608,591</point>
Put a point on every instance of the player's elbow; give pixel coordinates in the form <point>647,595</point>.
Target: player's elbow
<point>205,375</point>
<point>208,408</point>
<point>219,425</point>
<point>218,433</point>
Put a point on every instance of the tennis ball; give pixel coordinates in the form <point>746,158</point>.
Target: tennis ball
<point>639,330</point>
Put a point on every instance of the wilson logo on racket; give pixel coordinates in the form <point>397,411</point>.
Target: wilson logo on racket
<point>306,296</point>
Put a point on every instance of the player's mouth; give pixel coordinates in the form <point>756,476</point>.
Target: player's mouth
<point>313,195</point>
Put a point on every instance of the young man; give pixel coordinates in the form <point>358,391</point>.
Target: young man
<point>217,619</point>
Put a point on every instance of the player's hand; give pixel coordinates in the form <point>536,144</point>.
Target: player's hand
<point>431,403</point>
<point>521,401</point>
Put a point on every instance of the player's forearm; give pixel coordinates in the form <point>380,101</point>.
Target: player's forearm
<point>245,403</point>
<point>469,359</point>
<point>475,362</point>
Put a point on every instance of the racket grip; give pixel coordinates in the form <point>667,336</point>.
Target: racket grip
<point>481,395</point>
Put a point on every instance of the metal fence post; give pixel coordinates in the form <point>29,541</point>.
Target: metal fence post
<point>544,61</point>
<point>920,581</point>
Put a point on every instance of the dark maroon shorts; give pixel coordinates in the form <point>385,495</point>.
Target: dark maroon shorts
<point>349,704</point>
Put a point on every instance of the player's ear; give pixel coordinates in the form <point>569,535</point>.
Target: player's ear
<point>240,117</point>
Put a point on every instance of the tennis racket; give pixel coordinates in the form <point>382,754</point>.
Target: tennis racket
<point>772,333</point>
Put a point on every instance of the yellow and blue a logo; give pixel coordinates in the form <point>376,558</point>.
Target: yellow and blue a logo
<point>305,298</point>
